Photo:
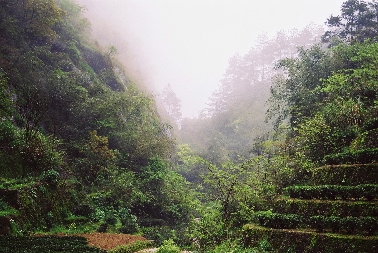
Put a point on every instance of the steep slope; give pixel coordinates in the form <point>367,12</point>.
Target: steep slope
<point>79,142</point>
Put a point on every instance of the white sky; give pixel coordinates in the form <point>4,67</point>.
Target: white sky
<point>187,43</point>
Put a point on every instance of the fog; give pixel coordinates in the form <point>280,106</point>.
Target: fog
<point>187,43</point>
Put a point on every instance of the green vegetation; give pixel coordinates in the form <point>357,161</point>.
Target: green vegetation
<point>304,241</point>
<point>132,247</point>
<point>363,191</point>
<point>83,149</point>
<point>345,174</point>
<point>169,246</point>
<point>43,244</point>
<point>320,148</point>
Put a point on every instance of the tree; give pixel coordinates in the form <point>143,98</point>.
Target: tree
<point>235,116</point>
<point>37,17</point>
<point>239,188</point>
<point>294,94</point>
<point>6,104</point>
<point>357,22</point>
<point>172,104</point>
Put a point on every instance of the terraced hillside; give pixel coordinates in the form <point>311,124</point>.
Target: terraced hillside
<point>337,211</point>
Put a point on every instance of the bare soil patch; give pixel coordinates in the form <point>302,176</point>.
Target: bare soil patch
<point>108,241</point>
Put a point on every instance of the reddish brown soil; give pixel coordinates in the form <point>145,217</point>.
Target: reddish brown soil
<point>109,241</point>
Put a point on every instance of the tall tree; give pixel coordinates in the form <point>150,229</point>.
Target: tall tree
<point>172,104</point>
<point>358,21</point>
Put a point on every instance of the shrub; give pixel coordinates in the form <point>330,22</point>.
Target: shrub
<point>304,241</point>
<point>345,174</point>
<point>370,124</point>
<point>128,220</point>
<point>278,220</point>
<point>369,224</point>
<point>103,228</point>
<point>364,156</point>
<point>237,247</point>
<point>158,234</point>
<point>318,222</point>
<point>350,225</point>
<point>83,210</point>
<point>45,244</point>
<point>168,246</point>
<point>325,207</point>
<point>130,228</point>
<point>210,230</point>
<point>368,139</point>
<point>334,222</point>
<point>110,219</point>
<point>6,210</point>
<point>76,219</point>
<point>51,177</point>
<point>132,247</point>
<point>366,191</point>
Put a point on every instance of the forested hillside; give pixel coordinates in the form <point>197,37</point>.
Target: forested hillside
<point>317,92</point>
<point>284,159</point>
<point>78,141</point>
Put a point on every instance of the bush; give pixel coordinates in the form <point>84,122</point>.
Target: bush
<point>158,234</point>
<point>45,244</point>
<point>132,247</point>
<point>334,223</point>
<point>237,247</point>
<point>369,225</point>
<point>370,125</point>
<point>128,220</point>
<point>318,222</point>
<point>83,210</point>
<point>350,225</point>
<point>345,174</point>
<point>368,139</point>
<point>76,219</point>
<point>325,207</point>
<point>363,156</point>
<point>305,241</point>
<point>168,246</point>
<point>130,228</point>
<point>278,220</point>
<point>210,230</point>
<point>366,191</point>
<point>110,219</point>
<point>103,228</point>
<point>51,177</point>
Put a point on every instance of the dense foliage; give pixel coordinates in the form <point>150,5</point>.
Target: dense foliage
<point>83,149</point>
<point>79,142</point>
<point>322,109</point>
<point>46,244</point>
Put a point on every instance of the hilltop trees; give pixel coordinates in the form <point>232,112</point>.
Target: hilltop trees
<point>357,22</point>
<point>227,129</point>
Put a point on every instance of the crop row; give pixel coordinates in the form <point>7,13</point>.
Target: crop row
<point>363,156</point>
<point>305,241</point>
<point>350,225</point>
<point>313,207</point>
<point>278,220</point>
<point>345,174</point>
<point>44,244</point>
<point>363,191</point>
